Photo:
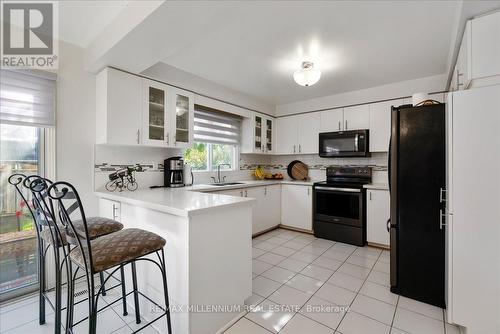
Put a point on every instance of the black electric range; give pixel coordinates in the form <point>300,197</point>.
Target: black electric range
<point>340,205</point>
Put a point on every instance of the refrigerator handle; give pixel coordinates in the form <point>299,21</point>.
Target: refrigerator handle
<point>388,225</point>
<point>389,164</point>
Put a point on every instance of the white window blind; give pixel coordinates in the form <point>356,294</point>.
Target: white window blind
<point>27,99</point>
<point>216,127</point>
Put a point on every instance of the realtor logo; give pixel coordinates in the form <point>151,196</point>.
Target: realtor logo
<point>29,34</point>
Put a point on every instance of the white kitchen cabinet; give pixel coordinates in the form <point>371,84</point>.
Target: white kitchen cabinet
<point>271,206</point>
<point>298,134</point>
<point>286,135</point>
<point>377,214</point>
<point>485,46</point>
<point>156,123</point>
<point>118,107</point>
<point>357,117</point>
<point>297,199</point>
<point>109,209</point>
<point>269,132</point>
<point>167,115</point>
<point>308,130</point>
<point>463,67</point>
<point>258,134</point>
<point>332,120</point>
<point>182,117</point>
<point>266,210</point>
<point>380,125</point>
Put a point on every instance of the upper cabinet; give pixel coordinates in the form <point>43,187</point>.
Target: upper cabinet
<point>485,46</point>
<point>135,111</point>
<point>344,119</point>
<point>183,118</point>
<point>307,133</point>
<point>286,135</point>
<point>357,117</point>
<point>118,108</point>
<point>258,134</point>
<point>155,127</point>
<point>380,125</point>
<point>478,61</point>
<point>332,120</point>
<point>298,134</point>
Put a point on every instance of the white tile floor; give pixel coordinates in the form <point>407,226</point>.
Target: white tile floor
<point>300,285</point>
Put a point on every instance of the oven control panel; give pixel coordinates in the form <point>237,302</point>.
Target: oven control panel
<point>349,171</point>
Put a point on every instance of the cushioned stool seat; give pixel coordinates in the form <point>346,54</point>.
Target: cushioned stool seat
<point>97,227</point>
<point>116,248</point>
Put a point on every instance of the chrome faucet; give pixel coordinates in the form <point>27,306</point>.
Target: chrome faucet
<point>218,174</point>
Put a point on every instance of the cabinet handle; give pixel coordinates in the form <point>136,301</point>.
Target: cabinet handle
<point>370,195</point>
<point>265,191</point>
<point>241,193</point>
<point>339,125</point>
<point>246,193</point>
<point>441,221</point>
<point>293,148</point>
<point>300,149</point>
<point>138,133</point>
<point>114,212</point>
<point>442,197</point>
<point>308,191</point>
<point>175,139</point>
<point>168,138</point>
<point>346,125</point>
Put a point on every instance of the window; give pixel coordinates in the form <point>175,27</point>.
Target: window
<point>206,156</point>
<point>217,137</point>
<point>27,111</point>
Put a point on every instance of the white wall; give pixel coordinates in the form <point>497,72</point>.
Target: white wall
<point>75,124</point>
<point>384,92</point>
<point>177,77</point>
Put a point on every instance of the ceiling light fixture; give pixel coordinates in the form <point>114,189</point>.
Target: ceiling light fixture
<point>307,75</point>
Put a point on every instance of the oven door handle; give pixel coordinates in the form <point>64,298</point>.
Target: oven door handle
<point>350,190</point>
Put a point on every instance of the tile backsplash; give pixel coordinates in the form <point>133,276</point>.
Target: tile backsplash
<point>109,158</point>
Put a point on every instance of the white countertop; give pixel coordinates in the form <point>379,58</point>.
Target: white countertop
<point>246,184</point>
<point>176,201</point>
<point>187,201</point>
<point>377,186</point>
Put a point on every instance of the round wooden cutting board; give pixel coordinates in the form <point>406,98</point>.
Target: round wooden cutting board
<point>298,170</point>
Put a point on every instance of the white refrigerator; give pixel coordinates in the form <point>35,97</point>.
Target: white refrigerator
<point>473,209</point>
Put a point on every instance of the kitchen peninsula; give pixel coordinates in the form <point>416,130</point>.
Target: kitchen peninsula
<point>208,252</point>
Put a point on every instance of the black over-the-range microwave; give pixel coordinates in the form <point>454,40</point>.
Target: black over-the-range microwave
<point>344,144</point>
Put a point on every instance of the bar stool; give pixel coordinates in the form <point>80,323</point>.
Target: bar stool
<point>112,251</point>
<point>49,235</point>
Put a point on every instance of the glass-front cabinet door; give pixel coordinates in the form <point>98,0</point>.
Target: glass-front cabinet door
<point>155,120</point>
<point>269,135</point>
<point>258,145</point>
<point>182,115</point>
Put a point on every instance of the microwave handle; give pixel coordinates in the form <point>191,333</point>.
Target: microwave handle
<point>356,143</point>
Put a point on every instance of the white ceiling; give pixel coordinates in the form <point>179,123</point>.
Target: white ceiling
<point>81,21</point>
<point>255,47</point>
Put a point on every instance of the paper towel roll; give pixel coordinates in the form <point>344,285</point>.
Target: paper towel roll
<point>419,97</point>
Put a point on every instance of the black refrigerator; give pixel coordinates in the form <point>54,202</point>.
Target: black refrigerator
<point>416,182</point>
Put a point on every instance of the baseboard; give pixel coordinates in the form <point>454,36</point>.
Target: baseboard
<point>376,245</point>
<point>265,231</point>
<point>295,229</point>
<point>230,323</point>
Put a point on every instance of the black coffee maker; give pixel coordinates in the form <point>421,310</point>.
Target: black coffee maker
<point>173,172</point>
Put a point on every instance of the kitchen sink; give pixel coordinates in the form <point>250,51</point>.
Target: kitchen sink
<point>225,184</point>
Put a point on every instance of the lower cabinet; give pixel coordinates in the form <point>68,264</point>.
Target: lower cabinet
<point>109,209</point>
<point>297,199</point>
<point>377,214</point>
<point>267,209</point>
